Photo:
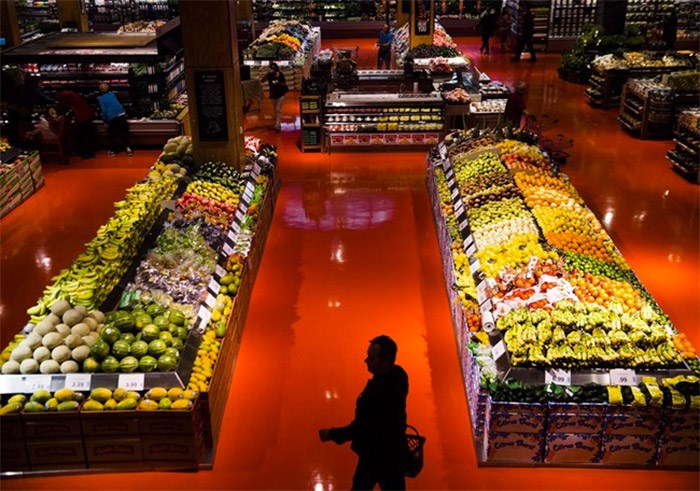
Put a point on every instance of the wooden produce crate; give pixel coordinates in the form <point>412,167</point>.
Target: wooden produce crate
<point>13,450</point>
<point>54,440</point>
<point>112,439</point>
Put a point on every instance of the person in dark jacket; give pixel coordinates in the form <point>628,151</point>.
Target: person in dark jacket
<point>487,25</point>
<point>278,88</point>
<point>78,111</point>
<point>516,108</point>
<point>114,116</point>
<point>386,38</point>
<point>378,432</point>
<point>527,31</point>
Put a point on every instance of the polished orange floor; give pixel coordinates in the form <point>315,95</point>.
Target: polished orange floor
<point>352,253</point>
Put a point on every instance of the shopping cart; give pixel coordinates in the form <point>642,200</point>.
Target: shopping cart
<point>555,145</point>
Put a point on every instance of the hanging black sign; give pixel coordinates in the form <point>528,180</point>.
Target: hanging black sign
<point>211,105</point>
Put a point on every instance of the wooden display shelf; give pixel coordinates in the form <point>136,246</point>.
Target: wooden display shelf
<point>645,116</point>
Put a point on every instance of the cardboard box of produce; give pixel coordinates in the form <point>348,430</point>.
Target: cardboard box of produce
<point>52,425</point>
<point>517,407</point>
<point>111,423</point>
<point>575,423</point>
<point>632,420</point>
<point>679,451</point>
<point>11,204</point>
<point>572,448</point>
<point>171,450</point>
<point>629,449</point>
<point>108,452</point>
<point>171,422</point>
<point>682,422</point>
<point>515,421</point>
<point>50,454</point>
<point>13,456</point>
<point>514,447</point>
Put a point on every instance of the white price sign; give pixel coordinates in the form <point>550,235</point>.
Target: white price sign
<point>231,235</point>
<point>463,224</point>
<point>131,381</point>
<point>474,266</point>
<point>210,301</point>
<point>442,148</point>
<point>220,271</point>
<point>228,250</point>
<point>459,208</point>
<point>455,193</point>
<point>557,376</point>
<point>248,193</point>
<point>482,292</point>
<point>619,376</point>
<point>239,215</point>
<point>78,381</point>
<point>38,382</point>
<point>236,227</point>
<point>214,286</point>
<point>498,350</point>
<point>471,249</point>
<point>205,315</point>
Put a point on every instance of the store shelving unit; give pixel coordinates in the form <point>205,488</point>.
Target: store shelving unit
<point>568,17</point>
<point>685,156</point>
<point>606,87</point>
<point>36,17</point>
<point>643,114</point>
<point>648,15</point>
<point>354,121</point>
<point>541,15</point>
<point>311,110</point>
<point>688,15</point>
<point>109,15</point>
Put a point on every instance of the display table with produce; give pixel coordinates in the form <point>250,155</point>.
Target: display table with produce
<point>684,156</point>
<point>291,45</point>
<point>609,73</point>
<point>566,358</point>
<point>173,279</point>
<point>21,176</point>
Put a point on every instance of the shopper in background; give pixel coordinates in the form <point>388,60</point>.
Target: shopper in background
<point>278,88</point>
<point>504,22</point>
<point>79,113</point>
<point>378,432</point>
<point>386,37</point>
<point>114,116</point>
<point>527,31</point>
<point>48,127</point>
<point>516,108</point>
<point>487,25</point>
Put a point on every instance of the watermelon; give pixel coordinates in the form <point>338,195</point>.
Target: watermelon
<point>173,352</point>
<point>156,347</point>
<point>121,348</point>
<point>111,334</point>
<point>139,349</point>
<point>91,365</point>
<point>182,333</point>
<point>166,337</point>
<point>161,322</point>
<point>177,317</point>
<point>99,350</point>
<point>110,364</point>
<point>128,337</point>
<point>167,363</point>
<point>141,320</point>
<point>149,333</point>
<point>148,364</point>
<point>128,364</point>
<point>111,316</point>
<point>125,322</point>
<point>154,310</point>
<point>177,344</point>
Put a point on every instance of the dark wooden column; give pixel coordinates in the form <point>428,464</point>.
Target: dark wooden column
<point>213,80</point>
<point>9,27</point>
<point>72,13</point>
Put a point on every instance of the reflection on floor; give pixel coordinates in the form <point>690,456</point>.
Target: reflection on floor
<point>352,253</point>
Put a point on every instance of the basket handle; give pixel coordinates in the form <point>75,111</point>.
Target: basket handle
<point>415,430</point>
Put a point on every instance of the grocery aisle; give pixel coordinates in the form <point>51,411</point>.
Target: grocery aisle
<point>351,253</point>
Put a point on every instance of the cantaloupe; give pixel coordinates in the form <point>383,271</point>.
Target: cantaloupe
<point>60,307</point>
<point>72,317</point>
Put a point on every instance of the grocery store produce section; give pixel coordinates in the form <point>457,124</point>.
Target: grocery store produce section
<point>566,357</point>
<point>290,44</point>
<point>21,176</point>
<point>138,337</point>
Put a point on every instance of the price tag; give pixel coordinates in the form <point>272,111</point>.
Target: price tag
<point>231,235</point>
<point>455,193</point>
<point>442,148</point>
<point>482,292</point>
<point>220,271</point>
<point>236,227</point>
<point>256,169</point>
<point>210,301</point>
<point>131,381</point>
<point>248,193</point>
<point>37,382</point>
<point>214,286</point>
<point>471,249</point>
<point>498,350</point>
<point>459,207</point>
<point>474,266</point>
<point>228,250</point>
<point>204,316</point>
<point>239,215</point>
<point>78,381</point>
<point>620,376</point>
<point>463,224</point>
<point>450,174</point>
<point>557,376</point>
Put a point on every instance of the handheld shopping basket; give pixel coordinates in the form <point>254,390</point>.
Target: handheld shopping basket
<point>415,452</point>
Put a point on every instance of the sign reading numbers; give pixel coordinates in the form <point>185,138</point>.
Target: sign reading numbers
<point>239,215</point>
<point>214,286</point>
<point>205,316</point>
<point>474,266</point>
<point>219,271</point>
<point>231,235</point>
<point>471,248</point>
<point>78,381</point>
<point>210,301</point>
<point>38,382</point>
<point>131,381</point>
<point>236,227</point>
<point>455,193</point>
<point>557,376</point>
<point>228,250</point>
<point>619,376</point>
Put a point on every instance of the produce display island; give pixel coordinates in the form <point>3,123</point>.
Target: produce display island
<point>144,384</point>
<point>566,358</point>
